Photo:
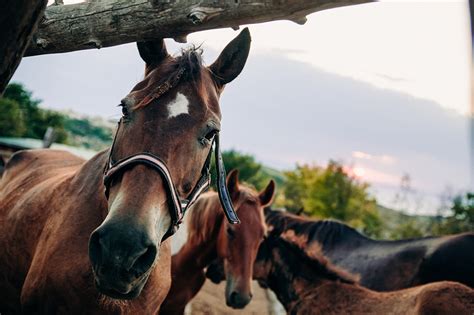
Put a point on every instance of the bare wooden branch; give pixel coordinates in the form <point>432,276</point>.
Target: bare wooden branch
<point>18,22</point>
<point>105,23</point>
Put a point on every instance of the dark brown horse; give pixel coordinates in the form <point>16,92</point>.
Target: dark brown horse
<point>305,282</point>
<point>211,237</point>
<point>68,244</point>
<point>384,265</point>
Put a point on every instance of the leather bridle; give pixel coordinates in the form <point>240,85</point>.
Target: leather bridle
<point>178,206</point>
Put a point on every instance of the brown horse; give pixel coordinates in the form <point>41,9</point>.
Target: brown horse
<point>211,237</point>
<point>55,208</point>
<point>384,265</point>
<point>305,282</point>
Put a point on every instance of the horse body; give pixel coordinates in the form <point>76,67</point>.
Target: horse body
<point>45,191</point>
<point>385,265</point>
<point>211,238</point>
<point>307,283</point>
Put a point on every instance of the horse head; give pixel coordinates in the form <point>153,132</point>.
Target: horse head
<point>157,160</point>
<point>237,245</point>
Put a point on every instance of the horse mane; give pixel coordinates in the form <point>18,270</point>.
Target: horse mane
<point>325,232</point>
<point>190,61</point>
<point>314,259</point>
<point>203,217</point>
<point>206,214</point>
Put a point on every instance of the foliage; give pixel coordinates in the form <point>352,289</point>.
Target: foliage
<point>12,123</point>
<point>21,116</point>
<point>250,171</point>
<point>35,120</point>
<point>89,134</point>
<point>460,219</point>
<point>409,228</point>
<point>331,193</point>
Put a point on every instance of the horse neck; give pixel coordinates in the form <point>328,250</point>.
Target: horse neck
<point>288,284</point>
<point>88,183</point>
<point>198,253</point>
<point>294,273</point>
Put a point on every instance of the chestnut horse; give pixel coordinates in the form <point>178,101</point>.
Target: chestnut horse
<point>69,243</point>
<point>211,237</point>
<point>384,265</point>
<point>305,282</point>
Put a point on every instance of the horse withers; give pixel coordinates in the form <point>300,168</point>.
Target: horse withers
<point>69,243</point>
<point>209,237</point>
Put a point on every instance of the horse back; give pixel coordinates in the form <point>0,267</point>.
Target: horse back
<point>31,177</point>
<point>42,161</point>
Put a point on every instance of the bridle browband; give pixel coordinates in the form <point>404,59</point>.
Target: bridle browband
<point>178,205</point>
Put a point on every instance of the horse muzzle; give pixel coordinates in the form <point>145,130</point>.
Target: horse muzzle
<point>235,297</point>
<point>122,258</point>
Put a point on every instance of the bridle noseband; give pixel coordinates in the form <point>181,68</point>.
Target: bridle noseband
<point>178,205</point>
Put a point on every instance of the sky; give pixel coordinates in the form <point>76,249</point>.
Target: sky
<point>382,87</point>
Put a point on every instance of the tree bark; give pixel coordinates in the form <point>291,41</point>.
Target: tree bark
<point>104,23</point>
<point>18,21</point>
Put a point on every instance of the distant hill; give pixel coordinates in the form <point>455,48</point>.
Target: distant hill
<point>393,219</point>
<point>93,133</point>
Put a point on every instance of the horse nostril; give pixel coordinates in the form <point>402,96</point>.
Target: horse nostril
<point>95,248</point>
<point>145,261</point>
<point>239,301</point>
<point>233,298</point>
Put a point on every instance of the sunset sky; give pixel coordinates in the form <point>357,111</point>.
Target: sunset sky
<point>383,87</point>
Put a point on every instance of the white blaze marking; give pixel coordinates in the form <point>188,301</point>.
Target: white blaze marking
<point>179,106</point>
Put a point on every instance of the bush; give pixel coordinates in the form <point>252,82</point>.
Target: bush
<point>331,193</point>
<point>12,122</point>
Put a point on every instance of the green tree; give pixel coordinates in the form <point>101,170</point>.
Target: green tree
<point>12,123</point>
<point>331,193</point>
<point>35,120</point>
<point>409,228</point>
<point>29,107</point>
<point>250,171</point>
<point>460,219</point>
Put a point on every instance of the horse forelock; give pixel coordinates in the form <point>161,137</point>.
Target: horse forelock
<point>189,62</point>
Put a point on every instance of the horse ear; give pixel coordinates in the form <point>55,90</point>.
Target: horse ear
<point>233,183</point>
<point>152,52</point>
<point>232,59</point>
<point>266,196</point>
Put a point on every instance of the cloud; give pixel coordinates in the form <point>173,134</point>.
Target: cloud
<point>384,158</point>
<point>284,112</point>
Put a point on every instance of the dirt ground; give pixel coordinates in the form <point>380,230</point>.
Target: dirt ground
<point>211,301</point>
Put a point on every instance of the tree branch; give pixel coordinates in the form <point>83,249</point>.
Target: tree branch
<point>18,22</point>
<point>105,23</point>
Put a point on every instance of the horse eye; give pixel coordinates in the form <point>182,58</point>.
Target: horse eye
<point>208,138</point>
<point>124,110</point>
<point>210,135</point>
